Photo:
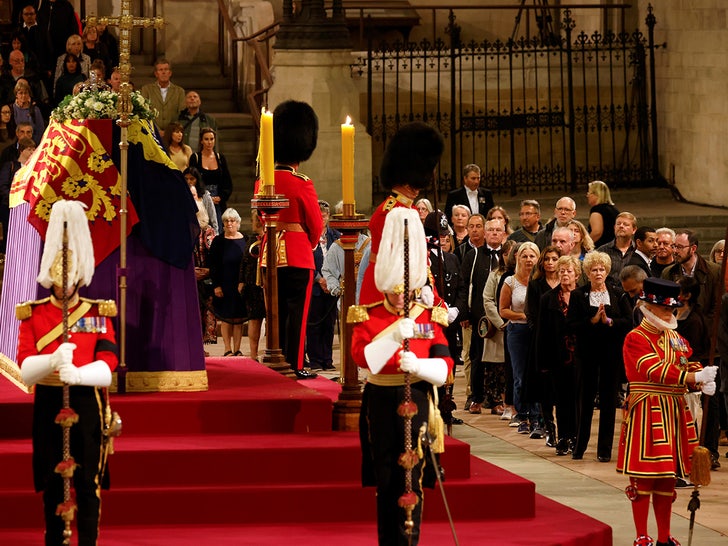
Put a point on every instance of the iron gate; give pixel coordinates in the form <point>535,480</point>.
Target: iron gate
<point>536,114</point>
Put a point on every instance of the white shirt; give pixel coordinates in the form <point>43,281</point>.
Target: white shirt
<point>473,199</point>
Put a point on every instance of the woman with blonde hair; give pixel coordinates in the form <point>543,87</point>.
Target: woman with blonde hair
<point>583,242</point>
<point>602,214</point>
<point>74,45</point>
<point>424,207</point>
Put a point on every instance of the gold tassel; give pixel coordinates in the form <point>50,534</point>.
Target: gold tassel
<point>700,470</point>
<point>436,426</point>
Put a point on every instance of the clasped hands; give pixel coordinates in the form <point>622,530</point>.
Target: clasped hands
<point>62,361</point>
<point>705,378</point>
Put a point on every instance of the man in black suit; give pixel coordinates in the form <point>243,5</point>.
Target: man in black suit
<point>645,241</point>
<point>478,200</point>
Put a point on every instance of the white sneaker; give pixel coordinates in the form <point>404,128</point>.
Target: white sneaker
<point>507,415</point>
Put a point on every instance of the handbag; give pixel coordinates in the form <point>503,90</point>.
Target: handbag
<point>486,329</point>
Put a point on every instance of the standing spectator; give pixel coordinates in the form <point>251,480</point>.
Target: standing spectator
<point>564,212</point>
<point>689,263</point>
<point>18,73</point>
<point>599,316</point>
<point>94,48</point>
<point>166,97</point>
<point>193,120</point>
<point>620,250</point>
<point>22,130</point>
<point>459,223</point>
<point>177,150</point>
<point>530,218</point>
<point>497,212</point>
<point>632,279</point>
<point>555,350</point>
<point>37,41</point>
<point>716,253</point>
<point>322,311</point>
<point>58,21</point>
<point>252,281</point>
<point>226,253</point>
<point>663,251</point>
<point>603,213</point>
<point>71,76</point>
<point>518,338</point>
<point>582,240</point>
<point>202,269</point>
<point>659,434</point>
<point>478,199</point>
<point>107,38</point>
<point>563,239</point>
<point>74,45</point>
<point>424,207</point>
<point>214,170</point>
<point>645,241</point>
<point>26,112</point>
<point>295,135</point>
<point>7,127</point>
<point>408,167</point>
<point>205,209</point>
<point>19,42</point>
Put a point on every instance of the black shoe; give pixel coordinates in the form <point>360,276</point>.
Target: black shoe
<point>469,402</point>
<point>604,458</point>
<point>577,456</point>
<point>714,462</point>
<point>305,374</point>
<point>680,483</point>
<point>456,421</point>
<point>562,447</point>
<point>551,434</point>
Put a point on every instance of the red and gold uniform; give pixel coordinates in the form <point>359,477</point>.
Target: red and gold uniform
<point>93,334</point>
<point>369,293</point>
<point>658,433</point>
<point>381,429</point>
<point>299,230</point>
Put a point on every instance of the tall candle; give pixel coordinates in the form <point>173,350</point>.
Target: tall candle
<point>266,163</point>
<point>347,162</point>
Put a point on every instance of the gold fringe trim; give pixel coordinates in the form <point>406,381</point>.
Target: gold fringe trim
<point>163,381</point>
<point>10,370</point>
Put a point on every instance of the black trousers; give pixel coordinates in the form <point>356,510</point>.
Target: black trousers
<point>294,296</point>
<point>320,331</point>
<point>596,375</point>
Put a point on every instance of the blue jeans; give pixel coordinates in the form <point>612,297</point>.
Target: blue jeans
<point>519,339</point>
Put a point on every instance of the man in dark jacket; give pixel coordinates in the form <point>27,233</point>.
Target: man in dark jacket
<point>478,200</point>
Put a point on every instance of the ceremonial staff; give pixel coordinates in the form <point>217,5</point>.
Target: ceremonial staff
<point>126,22</point>
<point>65,510</point>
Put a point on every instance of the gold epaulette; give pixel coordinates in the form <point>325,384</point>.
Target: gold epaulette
<point>356,314</point>
<point>300,175</point>
<point>107,308</point>
<point>389,203</point>
<point>24,311</point>
<point>439,315</point>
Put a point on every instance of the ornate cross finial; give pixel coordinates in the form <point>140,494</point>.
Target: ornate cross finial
<point>126,23</point>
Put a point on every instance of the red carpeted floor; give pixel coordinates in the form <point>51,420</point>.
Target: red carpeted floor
<point>254,461</point>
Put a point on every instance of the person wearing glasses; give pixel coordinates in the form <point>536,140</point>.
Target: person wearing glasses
<point>564,212</point>
<point>663,251</point>
<point>530,218</point>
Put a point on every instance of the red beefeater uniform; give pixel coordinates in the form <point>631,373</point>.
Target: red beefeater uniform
<point>658,432</point>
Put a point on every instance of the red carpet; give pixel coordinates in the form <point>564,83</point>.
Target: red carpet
<point>253,461</point>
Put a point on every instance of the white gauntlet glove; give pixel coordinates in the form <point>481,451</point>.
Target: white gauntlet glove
<point>62,355</point>
<point>427,296</point>
<point>406,330</point>
<point>432,370</point>
<point>36,367</point>
<point>95,374</point>
<point>452,314</point>
<point>708,388</point>
<point>706,375</point>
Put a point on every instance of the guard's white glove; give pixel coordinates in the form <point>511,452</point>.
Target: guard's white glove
<point>62,355</point>
<point>405,330</point>
<point>708,388</point>
<point>427,296</point>
<point>452,314</point>
<point>432,370</point>
<point>95,374</point>
<point>706,375</point>
<point>409,362</point>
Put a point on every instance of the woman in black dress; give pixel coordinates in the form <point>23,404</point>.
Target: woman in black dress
<point>225,256</point>
<point>603,213</point>
<point>213,167</point>
<point>251,282</point>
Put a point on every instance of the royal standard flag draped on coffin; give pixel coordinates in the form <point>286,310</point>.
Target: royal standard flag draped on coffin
<point>72,163</point>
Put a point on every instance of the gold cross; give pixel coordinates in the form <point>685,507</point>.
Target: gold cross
<point>126,23</point>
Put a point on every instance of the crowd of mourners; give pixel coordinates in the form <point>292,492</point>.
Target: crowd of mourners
<point>543,309</point>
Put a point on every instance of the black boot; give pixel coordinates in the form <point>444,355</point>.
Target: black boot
<point>562,447</point>
<point>550,434</point>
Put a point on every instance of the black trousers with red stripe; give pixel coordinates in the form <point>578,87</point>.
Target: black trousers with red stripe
<point>294,297</point>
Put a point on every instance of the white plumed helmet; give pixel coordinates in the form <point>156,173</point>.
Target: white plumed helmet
<point>81,250</point>
<point>389,268</point>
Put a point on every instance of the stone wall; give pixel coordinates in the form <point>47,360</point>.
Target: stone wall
<point>692,97</point>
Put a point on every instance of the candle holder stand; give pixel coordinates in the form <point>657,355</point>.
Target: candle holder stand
<point>270,204</point>
<point>348,406</point>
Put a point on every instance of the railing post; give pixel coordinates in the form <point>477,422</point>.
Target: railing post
<point>370,58</point>
<point>651,21</point>
<point>568,25</point>
<point>453,29</point>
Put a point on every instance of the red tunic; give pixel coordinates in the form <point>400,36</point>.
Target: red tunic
<point>658,433</point>
<point>369,293</point>
<point>381,318</point>
<point>303,210</point>
<point>93,335</point>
